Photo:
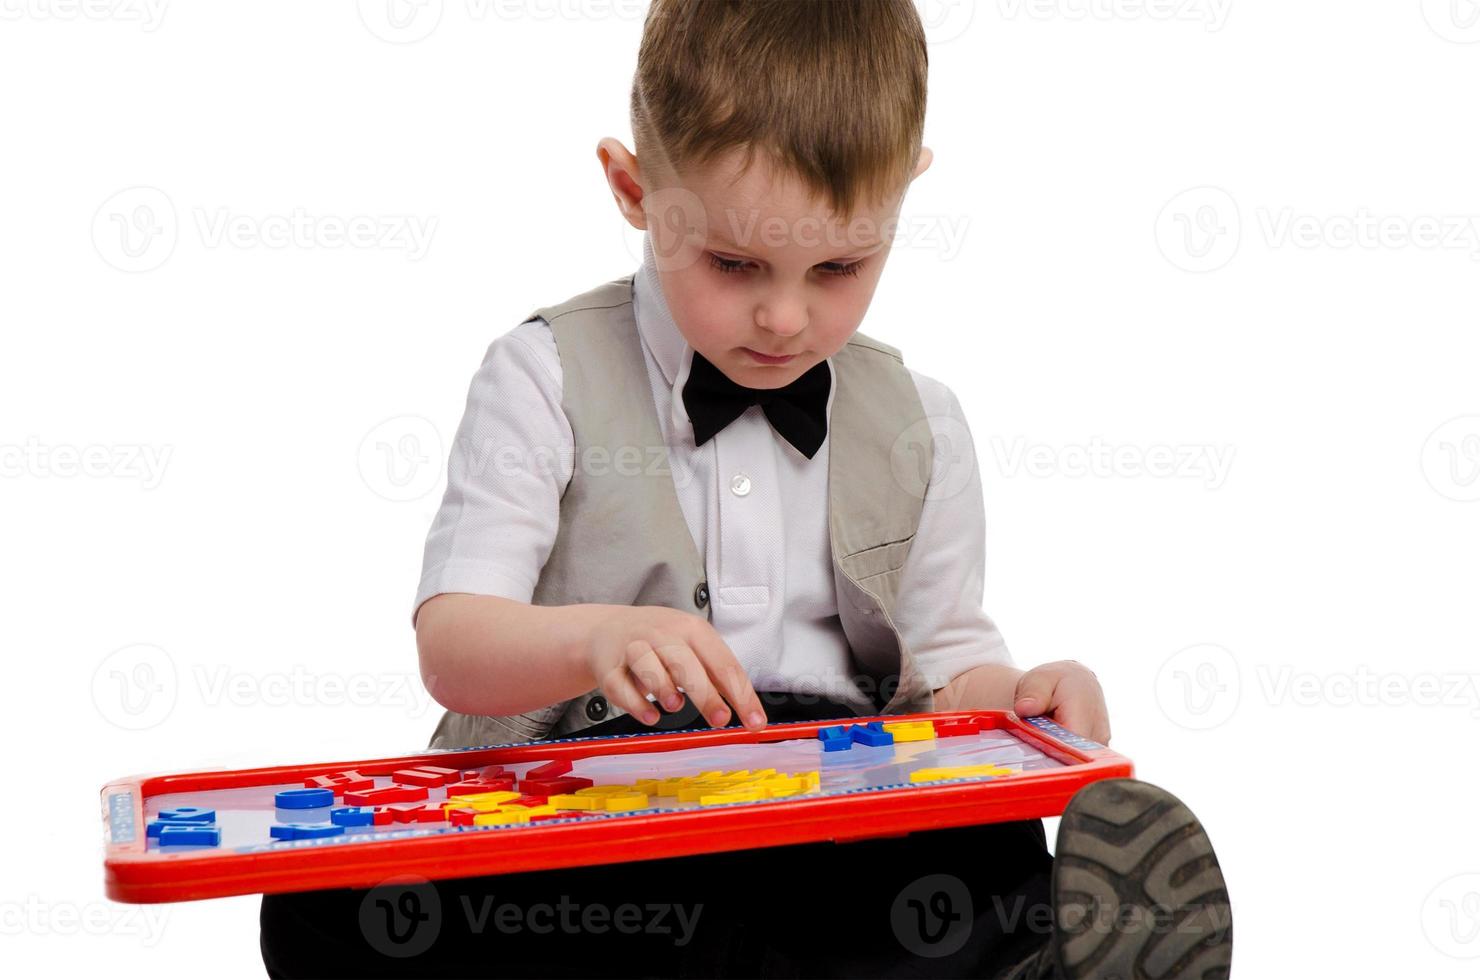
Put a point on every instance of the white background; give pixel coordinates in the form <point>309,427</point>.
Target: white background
<point>1235,232</point>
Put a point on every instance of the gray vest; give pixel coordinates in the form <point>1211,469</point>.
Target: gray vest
<point>623,538</point>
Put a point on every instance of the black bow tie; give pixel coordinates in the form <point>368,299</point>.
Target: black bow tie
<point>797,411</point>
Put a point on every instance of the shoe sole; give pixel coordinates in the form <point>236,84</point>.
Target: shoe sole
<point>1137,892</point>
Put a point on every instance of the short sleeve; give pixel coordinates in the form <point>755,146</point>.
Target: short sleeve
<point>507,469</point>
<point>939,609</point>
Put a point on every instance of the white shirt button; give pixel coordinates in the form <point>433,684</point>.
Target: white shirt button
<point>740,484</point>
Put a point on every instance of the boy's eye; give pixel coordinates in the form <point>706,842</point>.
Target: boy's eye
<point>725,265</point>
<point>728,266</point>
<point>840,269</point>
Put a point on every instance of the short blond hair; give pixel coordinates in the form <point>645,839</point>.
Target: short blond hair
<point>831,91</point>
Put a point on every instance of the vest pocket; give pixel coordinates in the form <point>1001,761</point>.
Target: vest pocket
<point>878,560</point>
<point>876,570</point>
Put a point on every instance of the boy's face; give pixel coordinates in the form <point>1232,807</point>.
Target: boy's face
<point>761,278</point>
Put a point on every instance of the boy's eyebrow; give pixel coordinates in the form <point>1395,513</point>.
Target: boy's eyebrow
<point>720,236</point>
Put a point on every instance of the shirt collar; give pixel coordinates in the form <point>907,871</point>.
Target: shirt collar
<point>654,319</point>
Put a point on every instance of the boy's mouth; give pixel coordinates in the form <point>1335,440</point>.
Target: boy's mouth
<point>768,358</point>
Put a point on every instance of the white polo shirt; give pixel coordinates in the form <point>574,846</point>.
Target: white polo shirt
<point>756,507</point>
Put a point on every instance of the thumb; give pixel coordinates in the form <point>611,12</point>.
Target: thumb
<point>1034,693</point>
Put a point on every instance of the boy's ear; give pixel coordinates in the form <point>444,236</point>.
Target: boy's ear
<point>619,167</point>
<point>923,163</point>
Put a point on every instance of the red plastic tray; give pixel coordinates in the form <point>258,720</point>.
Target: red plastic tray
<point>134,872</point>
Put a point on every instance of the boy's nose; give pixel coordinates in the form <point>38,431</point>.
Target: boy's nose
<point>784,320</point>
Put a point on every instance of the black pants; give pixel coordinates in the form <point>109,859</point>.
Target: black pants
<point>960,902</point>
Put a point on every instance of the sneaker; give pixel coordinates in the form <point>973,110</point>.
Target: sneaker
<point>1137,892</point>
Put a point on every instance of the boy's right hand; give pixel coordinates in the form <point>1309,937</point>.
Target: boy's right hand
<point>641,650</point>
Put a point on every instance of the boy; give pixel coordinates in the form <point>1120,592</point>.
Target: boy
<point>697,495</point>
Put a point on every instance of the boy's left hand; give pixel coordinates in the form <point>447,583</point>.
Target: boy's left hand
<point>1069,692</point>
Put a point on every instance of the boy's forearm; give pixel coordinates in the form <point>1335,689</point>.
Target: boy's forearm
<point>987,686</point>
<point>486,655</point>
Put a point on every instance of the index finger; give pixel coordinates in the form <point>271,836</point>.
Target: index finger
<point>721,664</point>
